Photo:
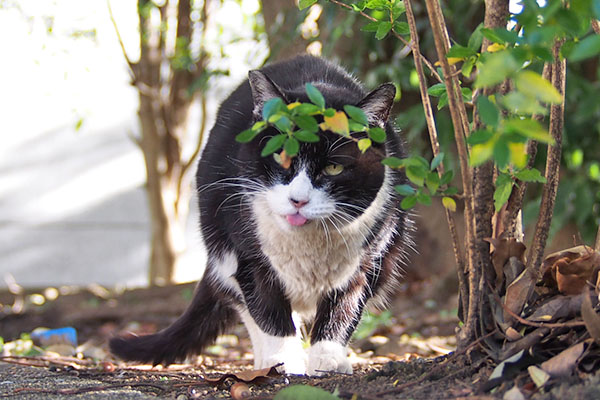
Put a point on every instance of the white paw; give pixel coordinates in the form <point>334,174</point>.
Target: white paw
<point>327,356</point>
<point>287,351</point>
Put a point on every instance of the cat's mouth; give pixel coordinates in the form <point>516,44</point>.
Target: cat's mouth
<point>296,219</point>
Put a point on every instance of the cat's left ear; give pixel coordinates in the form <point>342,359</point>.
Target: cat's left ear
<point>263,89</point>
<point>378,104</point>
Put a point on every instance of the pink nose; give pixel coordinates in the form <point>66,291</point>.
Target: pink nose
<point>298,203</point>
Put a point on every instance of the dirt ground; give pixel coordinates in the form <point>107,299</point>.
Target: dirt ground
<point>405,354</point>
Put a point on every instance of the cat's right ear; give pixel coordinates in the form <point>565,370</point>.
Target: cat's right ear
<point>263,89</point>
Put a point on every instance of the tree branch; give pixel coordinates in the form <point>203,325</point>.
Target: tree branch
<point>536,251</point>
<point>435,147</point>
<point>130,63</point>
<point>440,35</point>
<point>410,44</point>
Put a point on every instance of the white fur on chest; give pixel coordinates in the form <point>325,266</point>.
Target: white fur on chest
<point>311,260</point>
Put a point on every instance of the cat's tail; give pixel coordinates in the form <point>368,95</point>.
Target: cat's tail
<point>207,317</point>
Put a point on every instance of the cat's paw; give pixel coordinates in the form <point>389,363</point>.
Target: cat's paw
<point>287,351</point>
<point>328,356</point>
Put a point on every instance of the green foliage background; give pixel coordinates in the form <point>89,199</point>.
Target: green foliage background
<point>376,57</point>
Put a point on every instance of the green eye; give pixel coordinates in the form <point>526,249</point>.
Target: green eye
<point>333,169</point>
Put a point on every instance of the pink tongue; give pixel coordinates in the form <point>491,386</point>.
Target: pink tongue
<point>296,219</point>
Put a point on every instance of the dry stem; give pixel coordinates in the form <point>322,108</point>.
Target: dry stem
<point>536,251</point>
<point>435,147</point>
<point>468,332</point>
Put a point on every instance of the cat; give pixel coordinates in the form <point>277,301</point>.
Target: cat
<point>313,243</point>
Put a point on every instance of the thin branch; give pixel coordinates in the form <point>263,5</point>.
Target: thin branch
<point>435,147</point>
<point>120,39</point>
<point>410,44</point>
<point>440,36</point>
<point>597,245</point>
<point>515,201</point>
<point>557,111</point>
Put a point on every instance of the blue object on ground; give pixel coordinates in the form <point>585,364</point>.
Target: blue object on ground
<point>65,335</point>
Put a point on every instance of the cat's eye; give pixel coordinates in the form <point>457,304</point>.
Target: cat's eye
<point>333,169</point>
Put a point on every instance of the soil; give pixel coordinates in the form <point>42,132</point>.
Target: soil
<point>408,356</point>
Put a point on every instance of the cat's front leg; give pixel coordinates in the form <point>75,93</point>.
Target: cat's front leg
<point>337,316</point>
<point>267,315</point>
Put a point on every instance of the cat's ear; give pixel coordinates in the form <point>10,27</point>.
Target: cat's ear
<point>378,104</point>
<point>263,89</point>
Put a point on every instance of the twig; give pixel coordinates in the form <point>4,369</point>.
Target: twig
<point>130,63</point>
<point>515,201</point>
<point>467,333</point>
<point>536,252</point>
<point>411,44</point>
<point>435,147</point>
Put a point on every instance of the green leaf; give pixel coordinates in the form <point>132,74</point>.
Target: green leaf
<point>488,112</point>
<point>305,136</point>
<point>315,96</point>
<point>502,193</point>
<point>393,162</point>
<point>401,28</point>
<point>447,177</point>
<point>291,146</point>
<point>476,38</point>
<point>246,136</point>
<point>458,51</point>
<point>501,153</point>
<point>306,109</point>
<point>270,107</point>
<point>530,175</point>
<point>451,191</point>
<point>496,68</point>
<point>449,203</point>
<point>408,202</point>
<point>416,175</point>
<point>302,4</point>
<point>304,392</point>
<point>307,123</point>
<point>480,137</point>
<point>443,101</point>
<point>273,144</point>
<point>383,29</point>
<point>370,27</point>
<point>534,85</point>
<point>377,134</point>
<point>364,144</point>
<point>467,94</point>
<point>432,182</point>
<point>500,35</point>
<point>520,103</point>
<point>468,65</point>
<point>437,160</point>
<point>424,198</point>
<point>284,124</point>
<point>480,153</point>
<point>437,90</point>
<point>529,128</point>
<point>588,47</point>
<point>404,190</point>
<point>330,112</point>
<point>354,126</point>
<point>356,114</point>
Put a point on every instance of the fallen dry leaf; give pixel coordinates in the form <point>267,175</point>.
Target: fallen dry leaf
<point>518,293</point>
<point>564,363</point>
<point>590,318</point>
<point>503,250</point>
<point>570,269</point>
<point>246,376</point>
<point>557,307</point>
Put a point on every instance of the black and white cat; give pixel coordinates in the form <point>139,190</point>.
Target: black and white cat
<point>314,243</point>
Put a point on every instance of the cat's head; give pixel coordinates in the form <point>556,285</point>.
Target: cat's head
<point>331,180</point>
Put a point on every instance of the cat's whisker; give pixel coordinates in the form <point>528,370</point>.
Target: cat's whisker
<point>341,235</point>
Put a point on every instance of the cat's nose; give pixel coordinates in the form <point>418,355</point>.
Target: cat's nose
<point>298,203</point>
